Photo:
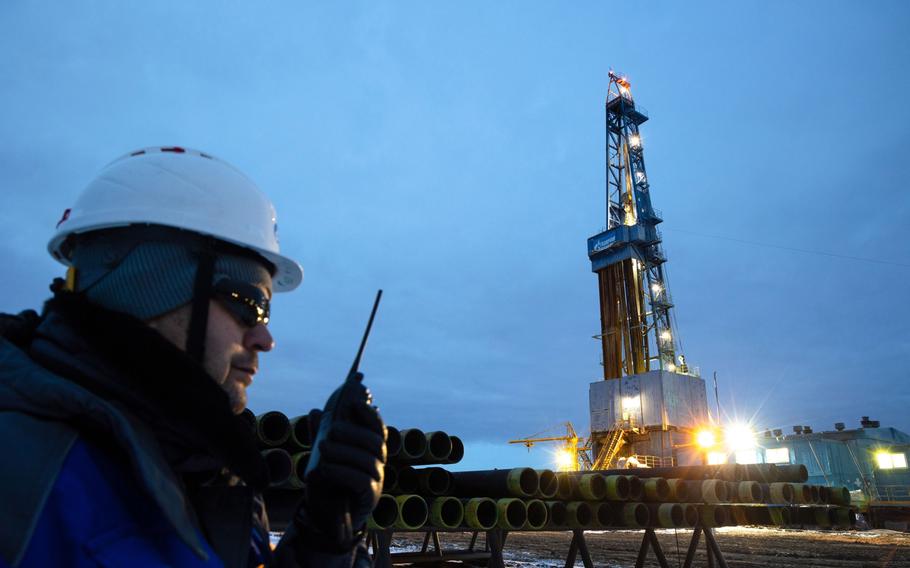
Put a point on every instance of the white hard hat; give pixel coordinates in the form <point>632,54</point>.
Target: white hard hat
<point>182,188</point>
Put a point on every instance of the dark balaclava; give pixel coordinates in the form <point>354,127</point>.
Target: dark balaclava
<point>149,278</point>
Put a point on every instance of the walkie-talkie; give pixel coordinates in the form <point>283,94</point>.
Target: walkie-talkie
<point>338,407</point>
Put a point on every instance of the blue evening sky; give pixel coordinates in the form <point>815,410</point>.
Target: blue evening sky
<point>452,154</point>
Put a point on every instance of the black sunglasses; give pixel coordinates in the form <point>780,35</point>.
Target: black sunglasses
<point>246,302</point>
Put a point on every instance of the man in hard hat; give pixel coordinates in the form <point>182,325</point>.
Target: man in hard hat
<point>118,404</point>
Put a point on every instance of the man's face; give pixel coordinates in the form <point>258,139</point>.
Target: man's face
<point>231,348</point>
<point>232,353</point>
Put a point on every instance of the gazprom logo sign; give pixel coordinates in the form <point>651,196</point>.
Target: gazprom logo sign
<point>603,243</point>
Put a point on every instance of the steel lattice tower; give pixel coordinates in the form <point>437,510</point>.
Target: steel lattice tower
<point>637,327</point>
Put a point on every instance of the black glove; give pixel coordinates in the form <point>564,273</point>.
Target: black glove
<point>344,475</point>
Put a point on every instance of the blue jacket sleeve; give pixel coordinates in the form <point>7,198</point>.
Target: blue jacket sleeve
<point>98,515</point>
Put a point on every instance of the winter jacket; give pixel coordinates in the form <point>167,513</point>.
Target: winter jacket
<point>94,476</point>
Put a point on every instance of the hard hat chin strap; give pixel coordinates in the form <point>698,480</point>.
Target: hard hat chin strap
<point>202,292</point>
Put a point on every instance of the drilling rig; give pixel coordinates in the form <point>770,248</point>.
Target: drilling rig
<point>650,401</point>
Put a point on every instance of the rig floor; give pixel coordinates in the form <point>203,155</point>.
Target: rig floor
<point>743,547</point>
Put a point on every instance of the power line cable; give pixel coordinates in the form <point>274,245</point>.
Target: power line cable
<point>791,249</point>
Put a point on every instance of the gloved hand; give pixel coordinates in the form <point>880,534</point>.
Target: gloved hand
<point>345,471</point>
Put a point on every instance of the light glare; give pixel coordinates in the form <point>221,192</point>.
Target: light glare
<point>740,437</point>
<point>565,461</point>
<point>717,458</point>
<point>706,439</point>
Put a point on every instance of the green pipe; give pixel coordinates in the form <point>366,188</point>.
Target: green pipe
<point>843,517</point>
<point>631,515</point>
<point>816,494</point>
<point>299,437</point>
<point>738,514</point>
<point>446,512</point>
<point>748,492</point>
<point>712,516</point>
<point>536,515</point>
<point>557,515</point>
<point>591,487</point>
<point>518,482</point>
<point>548,484</point>
<point>279,465</point>
<point>434,481</point>
<point>796,473</point>
<point>413,445</point>
<point>656,489</point>
<point>690,514</point>
<point>711,491</point>
<point>802,495</point>
<point>299,462</point>
<point>666,515</point>
<point>272,428</point>
<point>839,495</point>
<point>618,487</point>
<point>412,512</point>
<point>782,493</point>
<point>389,478</point>
<point>384,514</point>
<point>579,515</point>
<point>392,441</point>
<point>566,486</point>
<point>636,488</point>
<point>513,513</point>
<point>602,514</point>
<point>679,491</point>
<point>480,513</point>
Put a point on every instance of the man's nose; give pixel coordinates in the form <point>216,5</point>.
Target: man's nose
<point>258,338</point>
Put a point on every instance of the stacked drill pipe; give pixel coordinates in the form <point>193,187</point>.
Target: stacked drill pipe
<point>284,443</point>
<point>524,499</point>
<point>420,494</point>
